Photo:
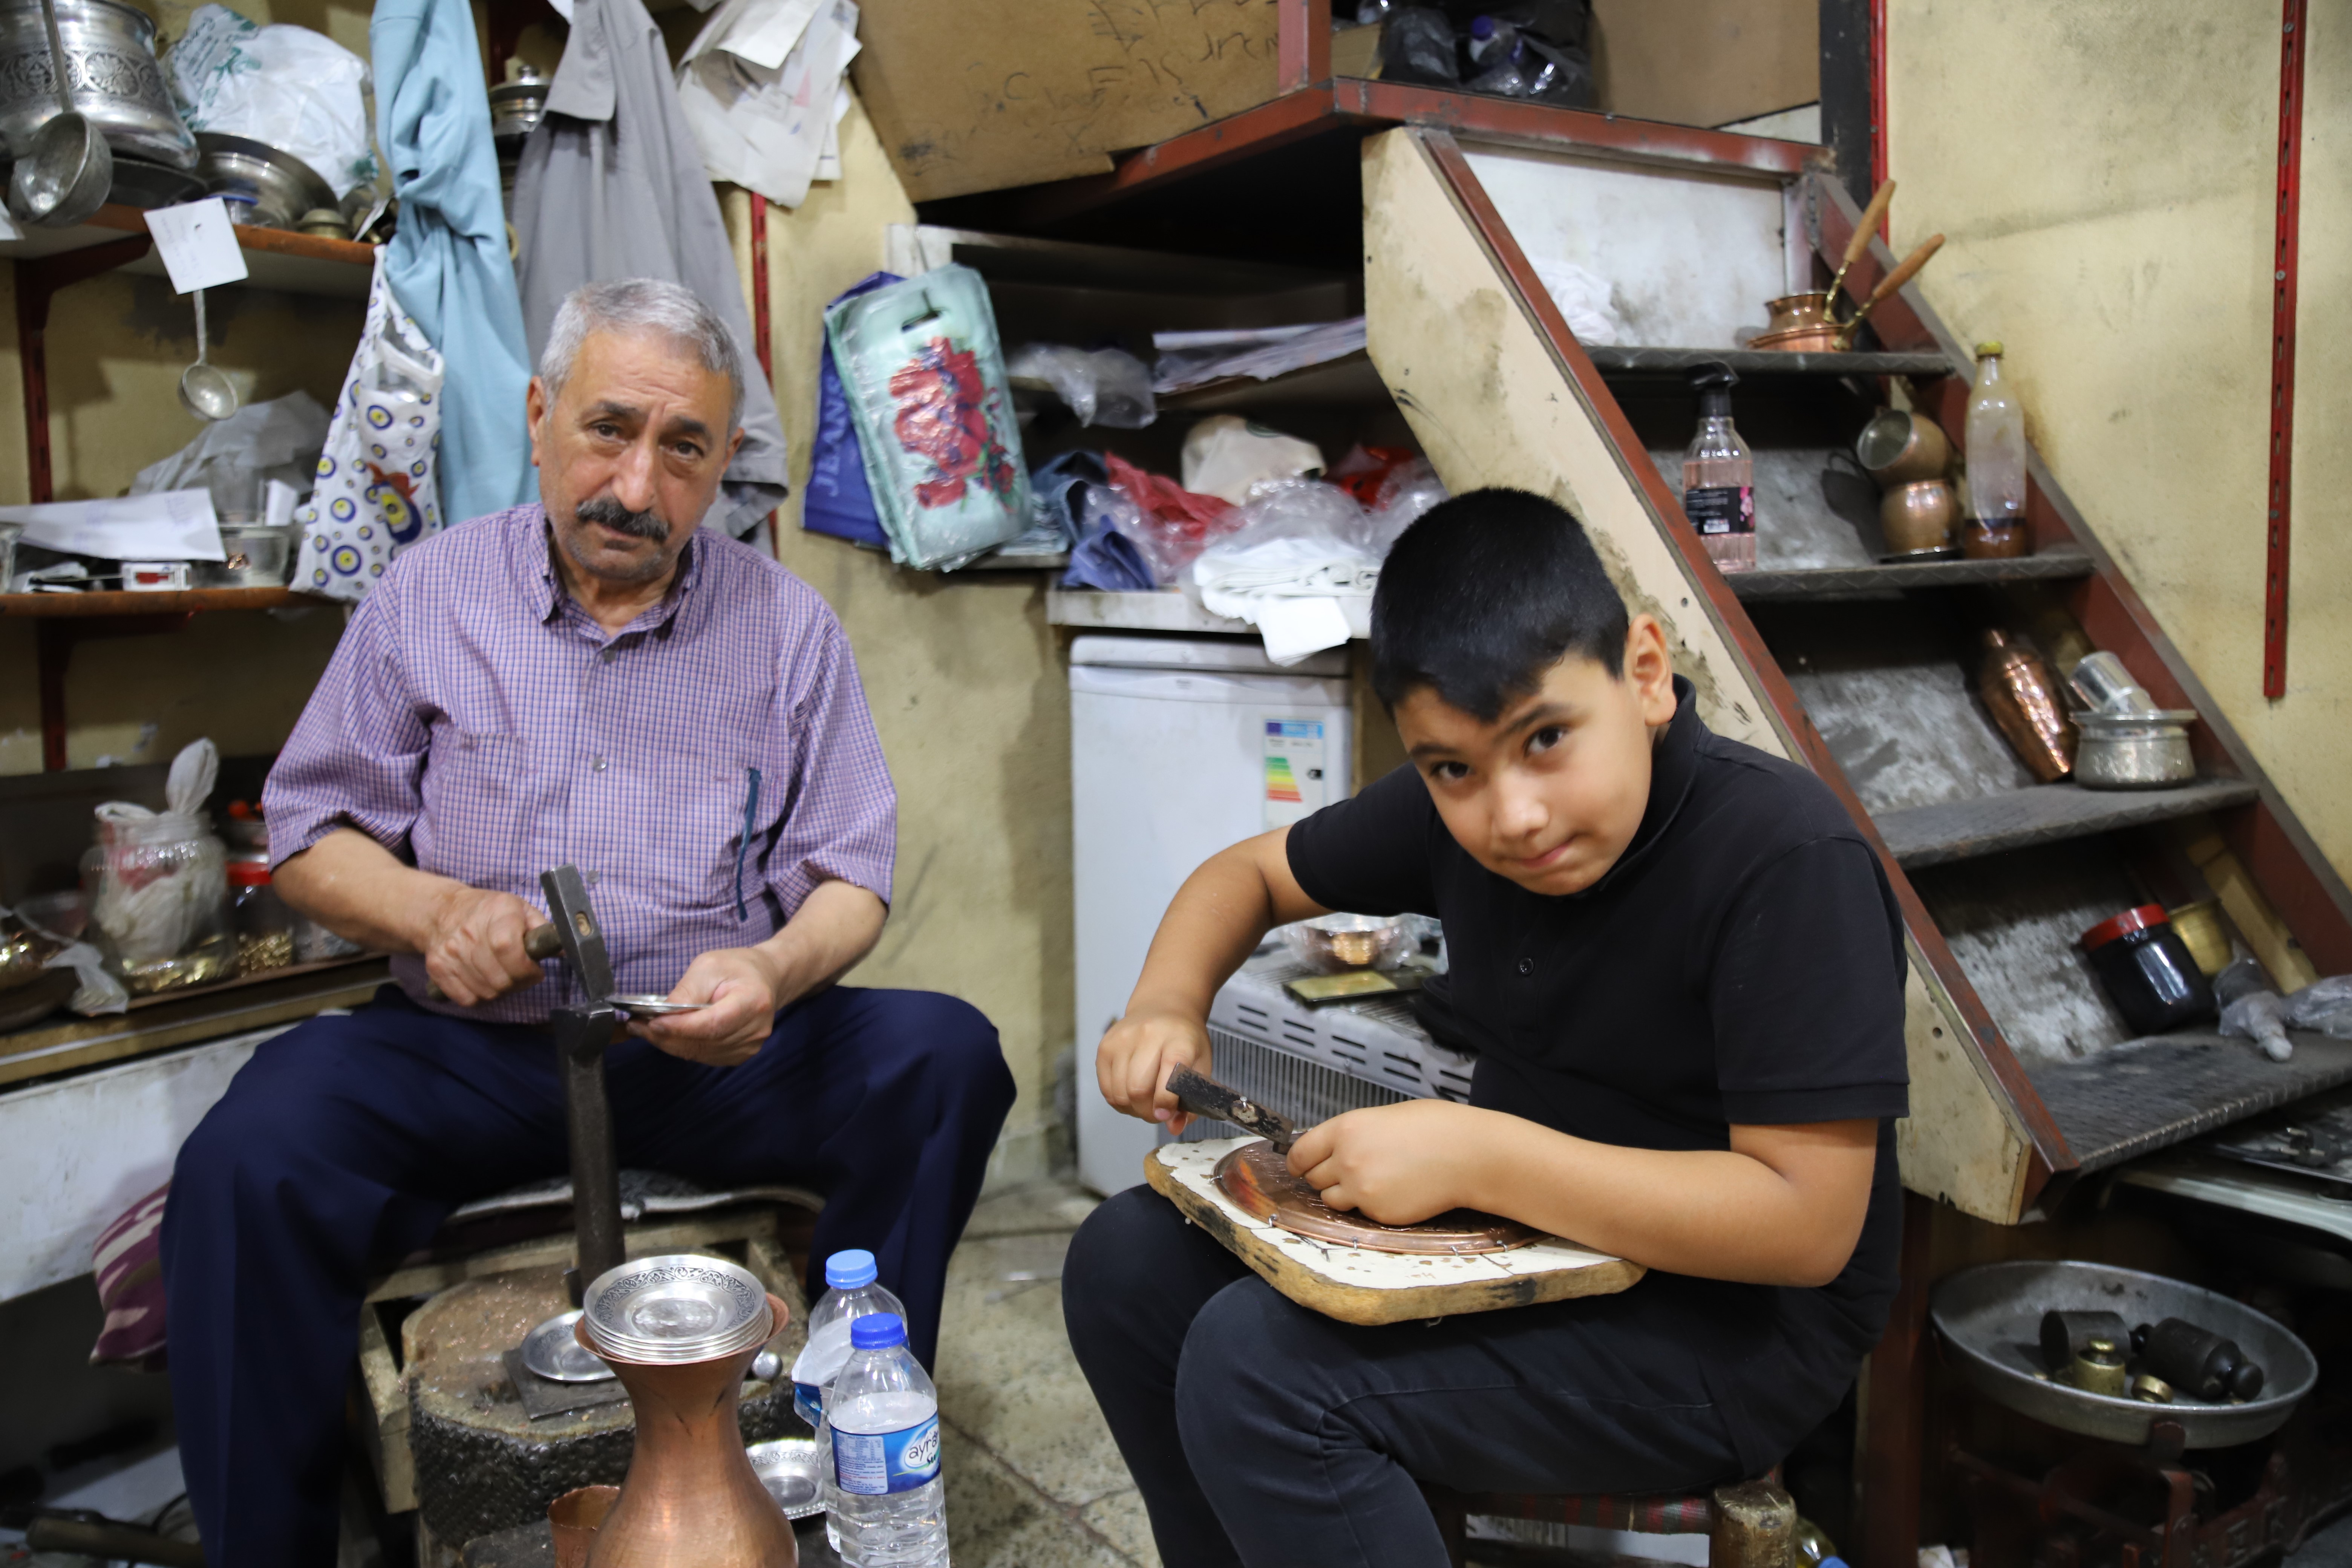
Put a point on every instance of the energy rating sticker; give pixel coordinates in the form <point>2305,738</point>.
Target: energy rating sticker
<point>1294,784</point>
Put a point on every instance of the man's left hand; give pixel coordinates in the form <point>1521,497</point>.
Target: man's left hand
<point>743,989</point>
<point>1396,1163</point>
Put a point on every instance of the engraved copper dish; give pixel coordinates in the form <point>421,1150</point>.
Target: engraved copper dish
<point>1258,1179</point>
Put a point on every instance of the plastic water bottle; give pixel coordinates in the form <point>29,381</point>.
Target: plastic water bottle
<point>851,1293</point>
<point>1491,42</point>
<point>885,1416</point>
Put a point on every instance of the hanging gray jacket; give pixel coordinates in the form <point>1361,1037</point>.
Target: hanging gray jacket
<point>612,187</point>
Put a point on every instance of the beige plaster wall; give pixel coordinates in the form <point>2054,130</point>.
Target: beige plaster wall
<point>2104,172</point>
<point>966,682</point>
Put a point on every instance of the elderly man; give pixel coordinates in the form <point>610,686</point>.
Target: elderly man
<point>597,681</point>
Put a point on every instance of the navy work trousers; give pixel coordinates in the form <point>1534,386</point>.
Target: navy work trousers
<point>344,1142</point>
<point>1263,1433</point>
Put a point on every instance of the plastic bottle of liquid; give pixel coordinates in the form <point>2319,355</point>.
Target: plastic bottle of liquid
<point>1490,43</point>
<point>1996,441</point>
<point>1719,476</point>
<point>851,1293</point>
<point>885,1416</point>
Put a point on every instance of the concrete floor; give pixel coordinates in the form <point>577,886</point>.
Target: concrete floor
<point>1034,1479</point>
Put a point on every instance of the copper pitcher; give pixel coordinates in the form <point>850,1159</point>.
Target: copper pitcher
<point>691,1498</point>
<point>2023,700</point>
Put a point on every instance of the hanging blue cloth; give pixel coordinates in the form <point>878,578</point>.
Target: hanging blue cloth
<point>838,499</point>
<point>447,261</point>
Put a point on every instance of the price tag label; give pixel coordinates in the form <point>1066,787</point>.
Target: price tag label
<point>198,245</point>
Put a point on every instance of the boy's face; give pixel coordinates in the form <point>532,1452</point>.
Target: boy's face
<point>1552,789</point>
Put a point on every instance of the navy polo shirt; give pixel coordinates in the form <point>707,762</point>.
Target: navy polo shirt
<point>1742,962</point>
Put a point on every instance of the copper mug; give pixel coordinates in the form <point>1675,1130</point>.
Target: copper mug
<point>574,1519</point>
<point>1917,518</point>
<point>1899,447</point>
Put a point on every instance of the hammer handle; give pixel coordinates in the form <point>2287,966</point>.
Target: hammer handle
<point>542,941</point>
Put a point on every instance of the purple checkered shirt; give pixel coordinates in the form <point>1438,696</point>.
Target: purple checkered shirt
<point>477,722</point>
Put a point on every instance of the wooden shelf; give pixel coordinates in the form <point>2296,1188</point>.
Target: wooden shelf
<point>186,602</point>
<point>1348,379</point>
<point>1750,363</point>
<point>1855,581</point>
<point>65,1043</point>
<point>274,258</point>
<point>1965,829</point>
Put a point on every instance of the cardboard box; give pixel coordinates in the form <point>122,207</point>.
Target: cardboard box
<point>1705,62</point>
<point>978,95</point>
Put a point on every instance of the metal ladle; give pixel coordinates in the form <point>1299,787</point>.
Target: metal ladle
<point>204,388</point>
<point>66,176</point>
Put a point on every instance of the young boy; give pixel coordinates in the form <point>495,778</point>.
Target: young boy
<point>1681,969</point>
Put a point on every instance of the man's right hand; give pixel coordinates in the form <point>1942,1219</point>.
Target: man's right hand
<point>1135,1057</point>
<point>474,950</point>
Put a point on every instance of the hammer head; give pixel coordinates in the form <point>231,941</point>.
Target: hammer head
<point>575,924</point>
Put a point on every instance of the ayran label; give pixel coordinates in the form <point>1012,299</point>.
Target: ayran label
<point>872,1463</point>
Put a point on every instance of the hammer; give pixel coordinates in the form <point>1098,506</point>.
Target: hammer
<point>580,1036</point>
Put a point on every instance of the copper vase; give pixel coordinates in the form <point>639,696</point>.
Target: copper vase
<point>691,1498</point>
<point>2017,687</point>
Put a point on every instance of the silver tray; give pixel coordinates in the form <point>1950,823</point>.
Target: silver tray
<point>1990,1319</point>
<point>551,1350</point>
<point>789,1469</point>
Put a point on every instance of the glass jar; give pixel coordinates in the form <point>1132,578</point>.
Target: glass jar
<point>2147,972</point>
<point>158,911</point>
<point>265,926</point>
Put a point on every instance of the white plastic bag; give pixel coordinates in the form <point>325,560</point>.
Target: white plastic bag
<point>1289,567</point>
<point>2325,1005</point>
<point>235,459</point>
<point>1102,386</point>
<point>1229,456</point>
<point>1585,299</point>
<point>297,91</point>
<point>375,493</point>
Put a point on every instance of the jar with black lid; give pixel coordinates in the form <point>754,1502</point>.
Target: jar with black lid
<point>2147,972</point>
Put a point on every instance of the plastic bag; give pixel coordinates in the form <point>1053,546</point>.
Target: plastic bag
<point>235,459</point>
<point>376,492</point>
<point>2325,1005</point>
<point>925,377</point>
<point>2251,1010</point>
<point>1106,556</point>
<point>161,903</point>
<point>838,501</point>
<point>1398,504</point>
<point>1417,45</point>
<point>1171,525</point>
<point>297,91</point>
<point>1288,564</point>
<point>1102,386</point>
<point>1229,456</point>
<point>1585,298</point>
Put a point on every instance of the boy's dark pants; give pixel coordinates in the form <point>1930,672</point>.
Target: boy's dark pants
<point>1263,1433</point>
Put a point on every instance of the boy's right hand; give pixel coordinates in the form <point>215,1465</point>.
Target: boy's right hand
<point>1135,1056</point>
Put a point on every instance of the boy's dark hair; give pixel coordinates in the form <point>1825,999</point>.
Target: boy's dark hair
<point>1483,594</point>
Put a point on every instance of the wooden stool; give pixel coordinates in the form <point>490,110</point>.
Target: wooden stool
<point>1750,1524</point>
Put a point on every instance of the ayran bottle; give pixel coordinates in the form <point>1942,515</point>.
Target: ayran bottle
<point>851,1293</point>
<point>1719,476</point>
<point>884,1417</point>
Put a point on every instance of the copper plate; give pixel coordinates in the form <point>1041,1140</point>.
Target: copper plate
<point>1259,1179</point>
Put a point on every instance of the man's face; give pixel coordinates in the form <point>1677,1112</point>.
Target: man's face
<point>631,455</point>
<point>1551,791</point>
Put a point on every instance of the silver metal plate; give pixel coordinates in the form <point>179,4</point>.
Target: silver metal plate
<point>790,1469</point>
<point>653,1006</point>
<point>551,1350</point>
<point>678,1307</point>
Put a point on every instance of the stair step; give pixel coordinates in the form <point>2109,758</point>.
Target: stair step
<point>1854,581</point>
<point>1764,362</point>
<point>1964,829</point>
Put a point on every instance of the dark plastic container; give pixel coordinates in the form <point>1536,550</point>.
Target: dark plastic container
<point>2147,972</point>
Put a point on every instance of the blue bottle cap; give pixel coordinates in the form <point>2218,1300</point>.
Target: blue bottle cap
<point>878,1331</point>
<point>1482,26</point>
<point>849,1270</point>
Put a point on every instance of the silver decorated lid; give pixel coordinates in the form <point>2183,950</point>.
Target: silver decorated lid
<point>677,1308</point>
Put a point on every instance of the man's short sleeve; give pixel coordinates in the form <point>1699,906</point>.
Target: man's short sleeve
<point>1807,991</point>
<point>841,821</point>
<point>356,757</point>
<point>1370,854</point>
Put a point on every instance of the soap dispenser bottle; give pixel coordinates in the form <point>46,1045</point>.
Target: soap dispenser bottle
<point>1719,475</point>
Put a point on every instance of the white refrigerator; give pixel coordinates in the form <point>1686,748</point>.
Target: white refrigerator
<point>1178,747</point>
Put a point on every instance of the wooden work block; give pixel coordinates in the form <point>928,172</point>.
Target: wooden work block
<point>1356,1285</point>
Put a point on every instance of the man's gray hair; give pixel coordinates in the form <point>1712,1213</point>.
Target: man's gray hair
<point>634,306</point>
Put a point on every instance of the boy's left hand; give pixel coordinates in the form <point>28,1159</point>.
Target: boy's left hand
<point>1397,1164</point>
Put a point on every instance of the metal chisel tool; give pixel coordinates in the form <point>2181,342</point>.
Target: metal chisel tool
<point>1207,1096</point>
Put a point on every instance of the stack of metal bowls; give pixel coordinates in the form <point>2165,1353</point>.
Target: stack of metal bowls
<point>679,1308</point>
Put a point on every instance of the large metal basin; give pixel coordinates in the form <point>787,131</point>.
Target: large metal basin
<point>1991,1318</point>
<point>111,67</point>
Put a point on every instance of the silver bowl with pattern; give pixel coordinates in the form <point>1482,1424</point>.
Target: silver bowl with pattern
<point>676,1308</point>
<point>112,69</point>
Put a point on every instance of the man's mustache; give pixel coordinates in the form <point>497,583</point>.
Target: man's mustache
<point>606,513</point>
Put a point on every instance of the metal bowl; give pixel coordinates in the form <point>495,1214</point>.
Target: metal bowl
<point>790,1467</point>
<point>555,1353</point>
<point>1330,943</point>
<point>139,184</point>
<point>276,188</point>
<point>2146,750</point>
<point>1990,1319</point>
<point>111,68</point>
<point>676,1308</point>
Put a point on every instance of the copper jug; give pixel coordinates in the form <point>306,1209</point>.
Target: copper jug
<point>2023,700</point>
<point>691,1498</point>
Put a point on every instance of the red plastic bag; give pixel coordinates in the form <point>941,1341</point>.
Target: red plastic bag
<point>1176,523</point>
